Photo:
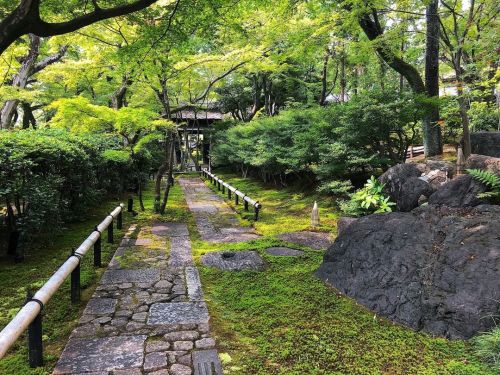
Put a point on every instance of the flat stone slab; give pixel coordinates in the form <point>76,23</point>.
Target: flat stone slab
<point>180,252</point>
<point>233,261</point>
<point>170,229</point>
<point>205,362</point>
<point>101,354</point>
<point>147,275</point>
<point>284,251</point>
<point>178,313</point>
<point>314,240</point>
<point>143,242</point>
<point>193,283</point>
<point>100,306</point>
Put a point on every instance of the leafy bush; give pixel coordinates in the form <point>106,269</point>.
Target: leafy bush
<point>51,176</point>
<point>487,346</point>
<point>322,144</point>
<point>370,199</point>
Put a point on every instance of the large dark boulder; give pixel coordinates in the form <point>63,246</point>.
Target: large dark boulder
<point>462,191</point>
<point>403,185</point>
<point>485,143</point>
<point>434,269</point>
<point>487,163</point>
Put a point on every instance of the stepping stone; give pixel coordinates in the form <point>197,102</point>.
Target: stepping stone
<point>314,240</point>
<point>193,283</point>
<point>147,275</point>
<point>100,306</point>
<point>178,313</point>
<point>180,252</point>
<point>143,242</point>
<point>101,354</point>
<point>170,229</point>
<point>233,261</point>
<point>207,362</point>
<point>284,251</point>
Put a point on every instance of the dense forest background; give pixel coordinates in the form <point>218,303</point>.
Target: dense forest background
<point>320,92</point>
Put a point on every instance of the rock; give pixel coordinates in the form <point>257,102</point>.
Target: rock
<point>485,143</point>
<point>100,306</point>
<point>487,163</point>
<point>140,317</point>
<point>207,359</point>
<point>344,222</point>
<point>155,361</point>
<point>403,185</point>
<point>178,313</point>
<point>314,240</point>
<point>433,269</point>
<point>178,369</point>
<point>462,191</point>
<point>157,346</point>
<point>183,345</point>
<point>206,343</point>
<point>181,336</point>
<point>233,261</point>
<point>284,251</point>
<point>439,165</point>
<point>435,178</point>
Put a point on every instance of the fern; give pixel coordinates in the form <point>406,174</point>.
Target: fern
<point>491,180</point>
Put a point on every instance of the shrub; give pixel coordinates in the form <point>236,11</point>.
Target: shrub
<point>370,199</point>
<point>491,180</point>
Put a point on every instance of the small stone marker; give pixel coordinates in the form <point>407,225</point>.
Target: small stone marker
<point>315,216</point>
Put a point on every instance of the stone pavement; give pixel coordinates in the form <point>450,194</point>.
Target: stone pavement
<point>147,315</point>
<point>215,220</point>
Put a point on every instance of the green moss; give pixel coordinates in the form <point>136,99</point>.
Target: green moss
<point>285,321</point>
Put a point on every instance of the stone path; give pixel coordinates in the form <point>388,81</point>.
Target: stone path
<point>314,240</point>
<point>147,315</point>
<point>215,220</point>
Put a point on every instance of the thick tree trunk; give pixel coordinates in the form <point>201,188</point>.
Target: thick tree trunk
<point>432,131</point>
<point>118,99</point>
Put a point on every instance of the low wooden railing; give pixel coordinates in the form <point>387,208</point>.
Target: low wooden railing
<point>30,317</point>
<point>414,151</point>
<point>221,185</point>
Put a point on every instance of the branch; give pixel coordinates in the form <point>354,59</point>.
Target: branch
<point>26,19</point>
<point>49,60</point>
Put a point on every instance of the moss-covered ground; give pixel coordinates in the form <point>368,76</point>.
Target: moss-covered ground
<point>286,321</point>
<point>280,321</point>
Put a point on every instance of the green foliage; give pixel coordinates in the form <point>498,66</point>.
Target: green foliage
<point>51,176</point>
<point>331,143</point>
<point>487,346</point>
<point>370,199</point>
<point>491,180</point>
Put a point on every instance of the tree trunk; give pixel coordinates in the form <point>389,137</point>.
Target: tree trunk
<point>463,108</point>
<point>20,80</point>
<point>324,79</point>
<point>431,129</point>
<point>118,99</point>
<point>170,177</point>
<point>343,82</point>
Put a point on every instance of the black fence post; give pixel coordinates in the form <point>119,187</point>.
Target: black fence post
<point>246,204</point>
<point>236,198</point>
<point>256,212</point>
<point>218,185</point>
<point>110,231</point>
<point>130,207</point>
<point>75,282</point>
<point>97,250</point>
<point>119,221</point>
<point>228,193</point>
<point>223,189</point>
<point>35,344</point>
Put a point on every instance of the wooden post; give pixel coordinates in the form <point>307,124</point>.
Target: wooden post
<point>119,221</point>
<point>75,281</point>
<point>130,207</point>
<point>110,232</point>
<point>35,343</point>
<point>256,211</point>
<point>229,194</point>
<point>246,204</point>
<point>97,250</point>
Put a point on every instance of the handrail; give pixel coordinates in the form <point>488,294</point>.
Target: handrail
<point>34,306</point>
<point>231,189</point>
